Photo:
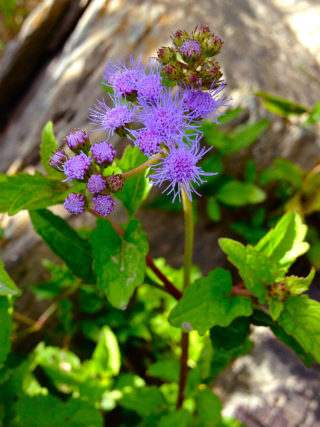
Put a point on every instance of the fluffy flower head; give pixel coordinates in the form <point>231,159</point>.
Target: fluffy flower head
<point>96,184</point>
<point>190,49</point>
<point>103,152</point>
<point>123,79</point>
<point>103,205</point>
<point>148,141</point>
<point>75,203</point>
<point>76,139</point>
<point>77,166</point>
<point>180,169</point>
<point>111,119</point>
<point>57,160</point>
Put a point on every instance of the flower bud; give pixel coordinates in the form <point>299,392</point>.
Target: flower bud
<point>173,71</point>
<point>191,78</point>
<point>115,183</point>
<point>210,73</point>
<point>190,50</point>
<point>166,55</point>
<point>200,33</point>
<point>179,37</point>
<point>78,140</point>
<point>57,160</point>
<point>212,45</point>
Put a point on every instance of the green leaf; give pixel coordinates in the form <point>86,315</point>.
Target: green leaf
<point>106,357</point>
<point>231,336</point>
<point>64,241</point>
<point>275,307</point>
<point>48,146</point>
<point>40,411</point>
<point>298,285</point>
<point>209,408</point>
<point>207,303</point>
<point>120,264</point>
<point>280,106</point>
<point>24,191</point>
<point>137,188</point>
<point>282,170</point>
<point>246,134</point>
<point>167,370</point>
<point>5,330</point>
<point>301,319</point>
<point>179,418</point>
<point>256,270</point>
<point>213,209</point>
<point>285,242</point>
<point>314,115</point>
<point>261,318</point>
<point>7,286</point>
<point>236,193</point>
<point>144,401</point>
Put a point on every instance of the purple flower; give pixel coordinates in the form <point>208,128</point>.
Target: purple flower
<point>122,79</point>
<point>167,118</point>
<point>180,168</point>
<point>96,184</point>
<point>103,205</point>
<point>148,141</point>
<point>190,49</point>
<point>57,160</point>
<point>103,152</point>
<point>111,119</point>
<point>77,166</point>
<point>77,139</point>
<point>149,87</point>
<point>205,105</point>
<point>75,203</point>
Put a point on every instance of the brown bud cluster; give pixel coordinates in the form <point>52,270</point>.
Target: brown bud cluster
<point>115,183</point>
<point>279,291</point>
<point>190,60</point>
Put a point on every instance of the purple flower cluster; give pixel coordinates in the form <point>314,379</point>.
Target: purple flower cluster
<point>163,121</point>
<point>87,167</point>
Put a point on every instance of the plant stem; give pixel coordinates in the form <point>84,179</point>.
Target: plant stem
<point>143,167</point>
<point>171,289</point>
<point>188,250</point>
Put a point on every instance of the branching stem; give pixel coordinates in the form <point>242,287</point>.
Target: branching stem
<point>143,167</point>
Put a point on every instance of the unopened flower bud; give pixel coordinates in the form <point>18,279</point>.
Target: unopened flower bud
<point>210,73</point>
<point>212,45</point>
<point>179,37</point>
<point>115,183</point>
<point>191,78</point>
<point>200,33</point>
<point>78,140</point>
<point>166,55</point>
<point>57,160</point>
<point>173,71</point>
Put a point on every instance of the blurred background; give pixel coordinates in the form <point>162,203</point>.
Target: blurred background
<point>52,55</point>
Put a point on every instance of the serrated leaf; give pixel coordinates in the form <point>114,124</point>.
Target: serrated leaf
<point>49,411</point>
<point>285,242</point>
<point>48,146</point>
<point>209,408</point>
<point>179,418</point>
<point>232,336</point>
<point>24,191</point>
<point>207,303</point>
<point>236,193</point>
<point>301,319</point>
<point>106,357</point>
<point>5,330</point>
<point>298,285</point>
<point>119,261</point>
<point>280,106</point>
<point>64,241</point>
<point>256,270</point>
<point>144,401</point>
<point>261,318</point>
<point>137,188</point>
<point>167,370</point>
<point>7,286</point>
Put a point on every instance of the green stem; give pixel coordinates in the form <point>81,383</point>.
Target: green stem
<point>188,250</point>
<point>143,167</point>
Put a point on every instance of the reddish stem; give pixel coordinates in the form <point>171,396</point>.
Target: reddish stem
<point>183,368</point>
<point>168,285</point>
